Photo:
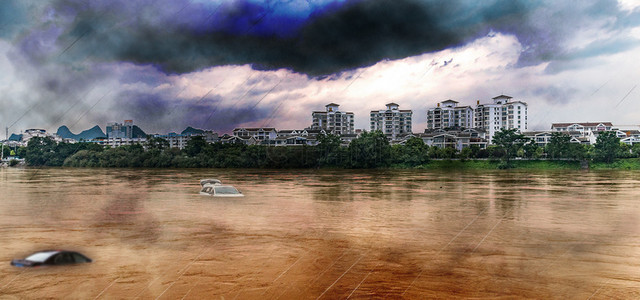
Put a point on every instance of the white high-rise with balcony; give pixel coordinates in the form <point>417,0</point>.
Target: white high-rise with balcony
<point>392,121</point>
<point>449,115</point>
<point>503,113</point>
<point>332,120</point>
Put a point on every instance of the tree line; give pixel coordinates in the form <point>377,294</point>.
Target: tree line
<point>369,150</point>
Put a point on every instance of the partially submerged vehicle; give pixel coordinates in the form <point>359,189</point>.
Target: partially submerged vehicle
<point>215,188</point>
<point>51,258</point>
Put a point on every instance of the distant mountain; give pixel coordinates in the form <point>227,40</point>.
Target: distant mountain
<point>89,134</point>
<point>191,130</point>
<point>138,133</point>
<point>65,133</point>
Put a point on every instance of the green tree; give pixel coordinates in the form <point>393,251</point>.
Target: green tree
<point>466,153</point>
<point>510,141</point>
<point>329,150</point>
<point>577,151</point>
<point>558,146</point>
<point>195,145</point>
<point>21,152</point>
<point>369,150</point>
<point>433,152</point>
<point>413,152</point>
<point>607,146</point>
<point>495,151</point>
<point>475,150</point>
<point>625,151</point>
<point>40,150</point>
<point>448,152</point>
<point>531,149</point>
<point>6,151</point>
<point>635,149</point>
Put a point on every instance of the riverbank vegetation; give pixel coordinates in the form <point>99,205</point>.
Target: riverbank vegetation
<point>370,150</point>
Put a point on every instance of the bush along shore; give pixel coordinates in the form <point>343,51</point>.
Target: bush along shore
<point>370,150</point>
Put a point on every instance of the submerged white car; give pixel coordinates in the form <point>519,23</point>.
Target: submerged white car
<point>215,188</point>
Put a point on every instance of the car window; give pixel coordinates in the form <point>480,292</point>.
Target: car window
<point>63,259</point>
<point>79,258</point>
<point>207,190</point>
<point>226,190</point>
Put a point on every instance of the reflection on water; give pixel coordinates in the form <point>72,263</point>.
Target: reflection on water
<point>323,234</point>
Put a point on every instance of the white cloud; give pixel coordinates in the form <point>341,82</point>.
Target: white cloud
<point>629,5</point>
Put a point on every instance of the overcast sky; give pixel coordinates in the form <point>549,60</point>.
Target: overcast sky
<point>214,64</point>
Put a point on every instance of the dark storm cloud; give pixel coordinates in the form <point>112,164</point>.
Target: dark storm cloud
<point>13,17</point>
<point>184,37</point>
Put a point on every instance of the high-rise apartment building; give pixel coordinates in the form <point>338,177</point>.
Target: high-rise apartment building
<point>503,113</point>
<point>449,115</point>
<point>119,130</point>
<point>332,120</point>
<point>392,121</point>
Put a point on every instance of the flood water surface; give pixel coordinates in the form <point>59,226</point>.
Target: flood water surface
<point>329,234</point>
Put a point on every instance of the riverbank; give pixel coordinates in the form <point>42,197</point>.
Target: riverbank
<point>620,164</point>
<point>467,164</point>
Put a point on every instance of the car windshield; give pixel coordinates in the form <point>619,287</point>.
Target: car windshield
<point>40,256</point>
<point>225,190</point>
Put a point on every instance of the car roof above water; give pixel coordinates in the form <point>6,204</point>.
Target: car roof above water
<point>210,181</point>
<point>42,256</point>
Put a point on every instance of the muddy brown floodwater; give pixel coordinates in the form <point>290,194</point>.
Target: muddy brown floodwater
<point>328,234</point>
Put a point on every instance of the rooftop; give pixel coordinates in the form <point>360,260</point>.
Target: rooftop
<point>585,124</point>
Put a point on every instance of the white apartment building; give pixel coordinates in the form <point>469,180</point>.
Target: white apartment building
<point>180,141</point>
<point>332,120</point>
<point>117,142</point>
<point>392,121</point>
<point>503,113</point>
<point>583,128</point>
<point>449,115</point>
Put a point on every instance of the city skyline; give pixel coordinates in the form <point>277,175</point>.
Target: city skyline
<point>225,64</point>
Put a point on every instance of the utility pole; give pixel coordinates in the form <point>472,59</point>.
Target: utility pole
<point>6,137</point>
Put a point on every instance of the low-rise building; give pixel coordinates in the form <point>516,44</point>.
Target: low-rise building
<point>117,142</point>
<point>180,140</point>
<point>294,140</point>
<point>629,137</point>
<point>583,127</point>
<point>455,138</point>
<point>247,140</point>
<point>259,134</point>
